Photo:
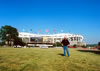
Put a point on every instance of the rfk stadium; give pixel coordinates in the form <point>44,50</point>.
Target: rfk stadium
<point>49,39</point>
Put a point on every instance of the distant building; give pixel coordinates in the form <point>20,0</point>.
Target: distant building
<point>50,38</point>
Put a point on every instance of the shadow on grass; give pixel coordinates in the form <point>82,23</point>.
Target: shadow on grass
<point>61,54</point>
<point>92,51</point>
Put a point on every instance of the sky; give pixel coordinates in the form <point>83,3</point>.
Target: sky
<point>64,16</point>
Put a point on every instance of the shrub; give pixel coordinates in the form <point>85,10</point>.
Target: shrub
<point>58,44</point>
<point>2,43</point>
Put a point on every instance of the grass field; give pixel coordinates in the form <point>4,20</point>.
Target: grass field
<point>52,59</point>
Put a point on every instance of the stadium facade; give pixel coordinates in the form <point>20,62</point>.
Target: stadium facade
<point>50,38</point>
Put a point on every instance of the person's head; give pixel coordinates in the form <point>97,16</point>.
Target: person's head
<point>65,38</point>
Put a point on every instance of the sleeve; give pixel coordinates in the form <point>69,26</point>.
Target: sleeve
<point>68,42</point>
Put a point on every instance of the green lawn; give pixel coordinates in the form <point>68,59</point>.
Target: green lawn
<point>36,59</point>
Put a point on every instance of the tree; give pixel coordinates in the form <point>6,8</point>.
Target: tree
<point>8,33</point>
<point>18,41</point>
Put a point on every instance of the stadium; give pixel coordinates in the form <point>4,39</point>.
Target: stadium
<point>50,39</point>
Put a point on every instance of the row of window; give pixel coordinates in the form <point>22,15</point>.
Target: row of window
<point>37,39</point>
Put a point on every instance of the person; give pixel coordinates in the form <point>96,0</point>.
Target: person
<point>98,45</point>
<point>65,44</point>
